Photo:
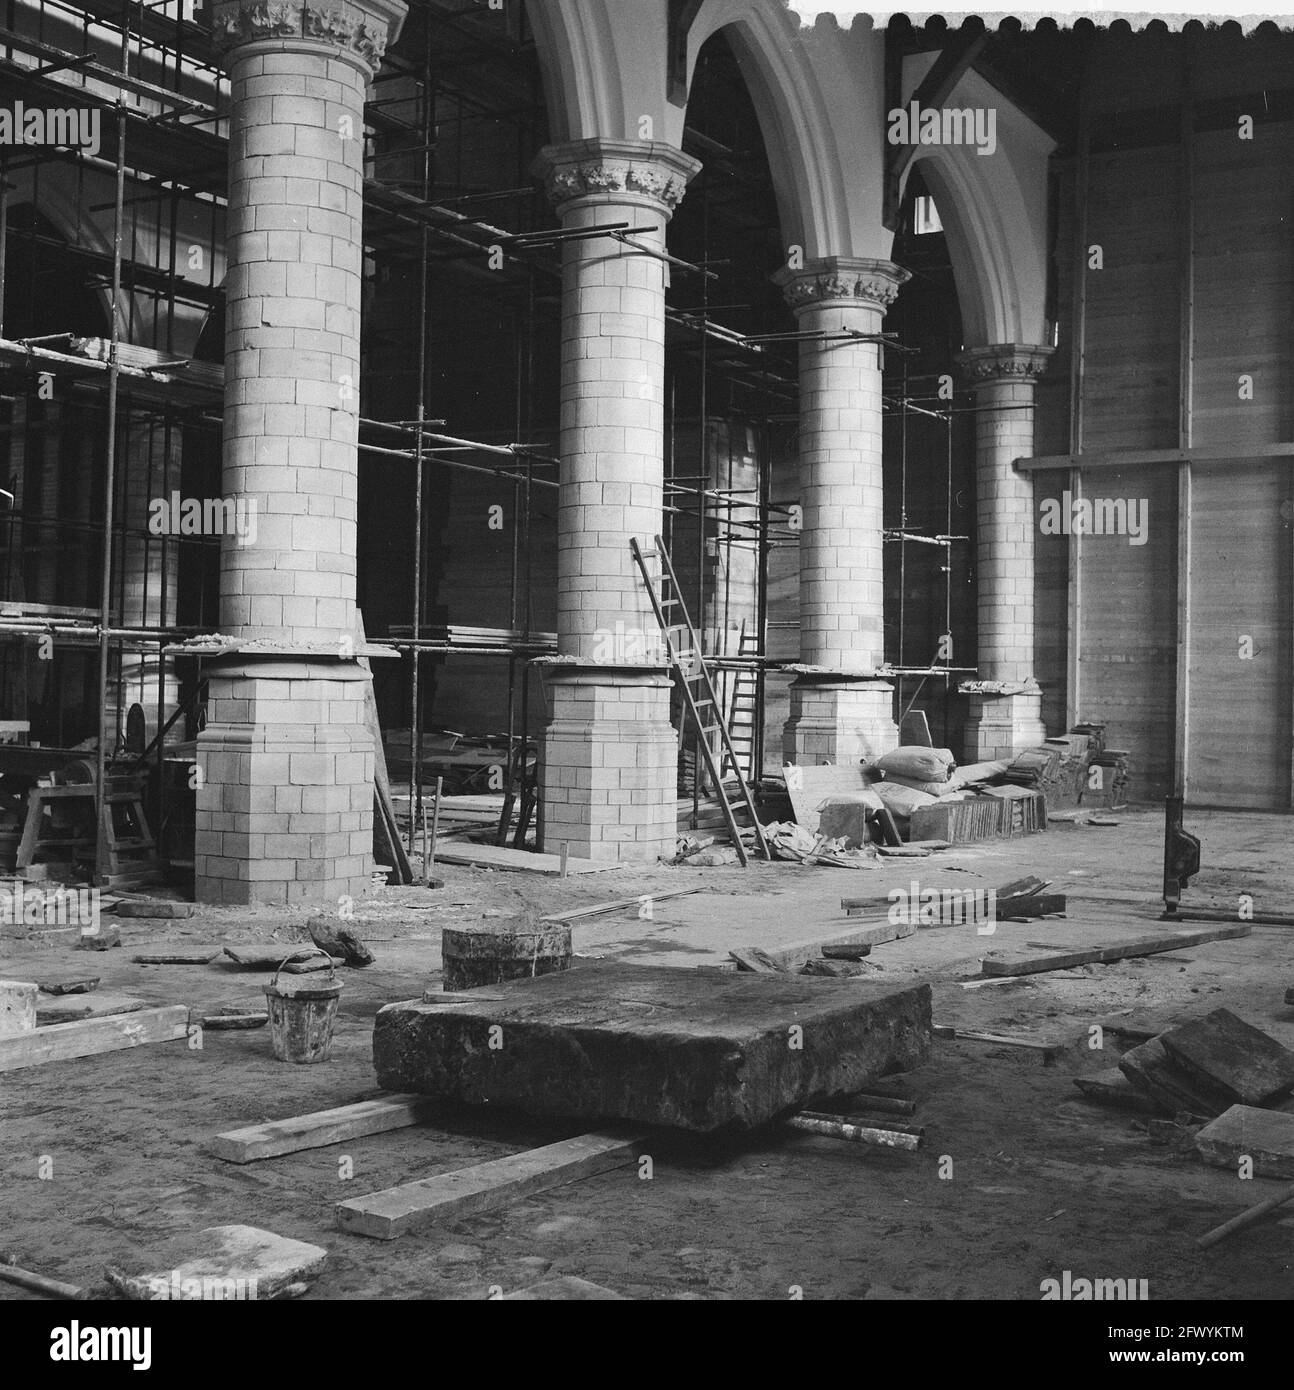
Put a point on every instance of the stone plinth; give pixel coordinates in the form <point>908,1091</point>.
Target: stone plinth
<point>285,810</point>
<point>1000,726</point>
<point>654,1045</point>
<point>610,766</point>
<point>839,721</point>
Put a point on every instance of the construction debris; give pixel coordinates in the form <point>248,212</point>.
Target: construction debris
<point>1112,1088</point>
<point>1265,1137</point>
<point>17,1007</point>
<point>12,1273</point>
<point>67,1008</point>
<point>1226,1055</point>
<point>1049,1050</point>
<point>226,1262</point>
<point>271,955</point>
<point>197,955</point>
<point>857,1130</point>
<point>236,1019</point>
<point>154,907</point>
<point>339,941</point>
<point>82,984</point>
<point>1246,1218</point>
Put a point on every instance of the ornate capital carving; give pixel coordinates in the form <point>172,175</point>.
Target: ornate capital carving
<point>1004,362</point>
<point>833,279</point>
<point>630,168</point>
<point>356,28</point>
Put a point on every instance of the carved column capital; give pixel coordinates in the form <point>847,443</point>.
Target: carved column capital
<point>1004,363</point>
<point>359,30</point>
<point>619,170</point>
<point>836,280</point>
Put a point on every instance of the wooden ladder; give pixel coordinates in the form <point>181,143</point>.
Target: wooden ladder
<point>743,708</point>
<point>688,668</point>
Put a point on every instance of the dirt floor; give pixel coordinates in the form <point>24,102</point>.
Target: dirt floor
<point>1020,1177</point>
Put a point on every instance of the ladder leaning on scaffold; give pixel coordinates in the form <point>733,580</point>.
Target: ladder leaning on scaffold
<point>688,668</point>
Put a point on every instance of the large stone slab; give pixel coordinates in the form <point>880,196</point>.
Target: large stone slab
<point>654,1045</point>
<point>1264,1136</point>
<point>1226,1054</point>
<point>223,1263</point>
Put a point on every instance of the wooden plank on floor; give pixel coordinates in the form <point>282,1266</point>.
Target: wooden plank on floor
<point>1027,963</point>
<point>322,1127</point>
<point>620,904</point>
<point>514,860</point>
<point>801,952</point>
<point>451,1196</point>
<point>62,1042</point>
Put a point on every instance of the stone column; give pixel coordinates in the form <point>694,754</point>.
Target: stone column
<point>1006,701</point>
<point>609,783</point>
<point>840,711</point>
<point>284,812</point>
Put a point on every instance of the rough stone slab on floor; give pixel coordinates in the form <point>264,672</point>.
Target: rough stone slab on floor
<point>565,1288</point>
<point>1265,1136</point>
<point>178,955</point>
<point>1152,1072</point>
<point>1224,1053</point>
<point>67,1008</point>
<point>225,1263</point>
<point>655,1045</point>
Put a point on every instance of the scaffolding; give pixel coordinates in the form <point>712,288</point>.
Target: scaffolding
<point>455,117</point>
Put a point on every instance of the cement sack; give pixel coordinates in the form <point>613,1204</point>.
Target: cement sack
<point>918,764</point>
<point>930,788</point>
<point>900,800</point>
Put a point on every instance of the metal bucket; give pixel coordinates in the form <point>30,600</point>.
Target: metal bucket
<point>302,1012</point>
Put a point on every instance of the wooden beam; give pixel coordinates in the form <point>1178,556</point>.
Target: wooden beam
<point>61,1042</point>
<point>1137,458</point>
<point>598,909</point>
<point>323,1127</point>
<point>396,1211</point>
<point>1030,963</point>
<point>1186,418</point>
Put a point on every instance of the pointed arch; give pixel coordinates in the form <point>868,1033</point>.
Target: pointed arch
<point>994,211</point>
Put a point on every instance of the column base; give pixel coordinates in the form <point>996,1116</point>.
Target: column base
<point>610,768</point>
<point>1000,726</point>
<point>839,722</point>
<point>285,805</point>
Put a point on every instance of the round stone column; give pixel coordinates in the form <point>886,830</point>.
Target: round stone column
<point>609,778</point>
<point>1006,701</point>
<point>840,711</point>
<point>284,807</point>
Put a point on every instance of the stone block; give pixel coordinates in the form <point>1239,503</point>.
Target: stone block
<point>17,1007</point>
<point>654,1045</point>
